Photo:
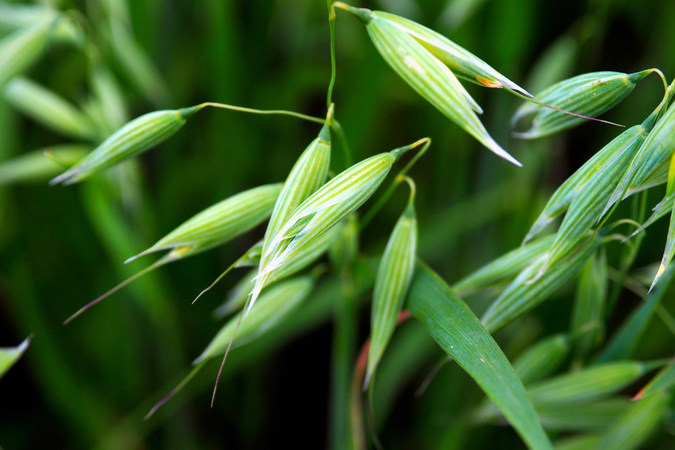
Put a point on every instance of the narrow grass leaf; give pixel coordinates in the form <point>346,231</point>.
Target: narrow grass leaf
<point>542,358</point>
<point>624,342</point>
<point>274,306</point>
<point>455,57</point>
<point>664,380</point>
<point>522,295</point>
<point>132,139</point>
<point>504,267</point>
<point>589,305</point>
<point>41,165</point>
<point>391,284</point>
<point>589,384</point>
<point>637,424</point>
<point>9,356</point>
<point>460,334</point>
<point>337,199</point>
<point>49,109</point>
<point>428,76</point>
<point>589,94</point>
<point>21,49</point>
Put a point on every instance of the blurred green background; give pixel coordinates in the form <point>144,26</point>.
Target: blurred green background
<point>88,385</point>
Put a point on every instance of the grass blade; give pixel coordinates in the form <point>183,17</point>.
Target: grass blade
<point>460,334</point>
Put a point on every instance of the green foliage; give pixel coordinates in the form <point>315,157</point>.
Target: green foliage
<point>575,324</point>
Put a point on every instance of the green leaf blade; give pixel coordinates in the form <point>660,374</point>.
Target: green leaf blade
<point>459,333</point>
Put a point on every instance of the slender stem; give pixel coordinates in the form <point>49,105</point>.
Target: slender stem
<point>639,209</point>
<point>345,316</point>
<point>340,134</point>
<point>372,212</point>
<point>331,24</point>
<point>261,111</point>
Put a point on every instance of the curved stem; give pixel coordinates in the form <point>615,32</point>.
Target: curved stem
<point>400,177</point>
<point>333,70</point>
<point>262,111</point>
<point>340,134</point>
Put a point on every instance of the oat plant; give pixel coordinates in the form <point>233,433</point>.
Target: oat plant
<point>543,326</point>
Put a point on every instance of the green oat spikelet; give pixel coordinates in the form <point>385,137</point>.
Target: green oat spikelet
<point>542,358</point>
<point>590,95</point>
<point>41,165</point>
<point>325,208</point>
<point>427,75</point>
<point>303,259</point>
<point>210,228</point>
<point>9,356</point>
<point>392,282</point>
<point>655,152</point>
<point>521,295</point>
<point>134,138</point>
<point>504,267</point>
<point>589,384</point>
<point>307,175</point>
<point>586,208</point>
<point>274,305</point>
<point>563,197</point>
<point>219,223</point>
<point>457,58</point>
